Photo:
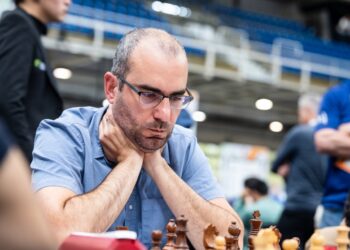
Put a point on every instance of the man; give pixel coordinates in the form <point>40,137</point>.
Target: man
<point>22,225</point>
<point>128,164</point>
<point>27,86</point>
<point>333,137</point>
<point>255,197</point>
<point>304,170</point>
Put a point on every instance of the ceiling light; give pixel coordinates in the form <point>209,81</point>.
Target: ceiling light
<point>264,104</point>
<point>276,126</point>
<point>171,9</point>
<point>199,116</point>
<point>62,73</point>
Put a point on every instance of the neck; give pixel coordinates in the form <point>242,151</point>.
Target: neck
<point>33,9</point>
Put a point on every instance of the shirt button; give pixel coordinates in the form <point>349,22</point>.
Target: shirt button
<point>130,207</point>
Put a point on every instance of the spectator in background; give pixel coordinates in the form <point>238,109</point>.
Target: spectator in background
<point>27,87</point>
<point>255,197</point>
<point>22,226</point>
<point>304,171</point>
<point>333,137</point>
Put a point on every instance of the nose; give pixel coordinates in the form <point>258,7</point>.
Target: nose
<point>162,111</point>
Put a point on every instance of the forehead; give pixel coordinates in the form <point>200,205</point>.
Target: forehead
<point>150,64</point>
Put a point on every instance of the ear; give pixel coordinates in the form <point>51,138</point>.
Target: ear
<point>110,86</point>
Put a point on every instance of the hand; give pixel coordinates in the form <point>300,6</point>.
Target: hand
<point>116,146</point>
<point>345,128</point>
<point>153,161</point>
<point>283,170</point>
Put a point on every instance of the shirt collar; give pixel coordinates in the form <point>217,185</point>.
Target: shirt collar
<point>40,26</point>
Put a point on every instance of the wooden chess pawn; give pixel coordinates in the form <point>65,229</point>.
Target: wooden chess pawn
<point>278,236</point>
<point>171,235</point>
<point>181,242</point>
<point>317,241</point>
<point>342,240</point>
<point>290,244</point>
<point>219,243</point>
<point>156,239</point>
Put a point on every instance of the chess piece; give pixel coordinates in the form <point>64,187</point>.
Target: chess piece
<point>156,239</point>
<point>219,243</point>
<point>259,242</point>
<point>209,235</point>
<point>342,240</point>
<point>234,232</point>
<point>269,237</point>
<point>255,225</point>
<point>317,241</point>
<point>181,242</point>
<point>171,235</point>
<point>291,244</point>
<point>277,239</point>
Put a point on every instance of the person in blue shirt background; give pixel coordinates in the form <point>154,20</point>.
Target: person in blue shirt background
<point>333,137</point>
<point>128,164</point>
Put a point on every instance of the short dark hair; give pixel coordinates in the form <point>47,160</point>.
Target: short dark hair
<point>128,43</point>
<point>17,2</point>
<point>257,185</point>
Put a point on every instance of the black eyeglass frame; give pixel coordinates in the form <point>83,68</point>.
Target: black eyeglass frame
<point>186,98</point>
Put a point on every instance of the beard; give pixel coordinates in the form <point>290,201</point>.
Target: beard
<point>129,125</point>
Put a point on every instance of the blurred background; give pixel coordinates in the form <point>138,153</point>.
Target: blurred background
<point>249,62</point>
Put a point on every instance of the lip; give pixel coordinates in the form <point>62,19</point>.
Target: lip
<point>158,131</point>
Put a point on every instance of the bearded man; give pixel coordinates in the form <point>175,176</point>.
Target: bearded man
<point>128,164</point>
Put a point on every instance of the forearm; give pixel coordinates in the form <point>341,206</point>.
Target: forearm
<point>97,210</point>
<point>333,142</point>
<point>198,211</point>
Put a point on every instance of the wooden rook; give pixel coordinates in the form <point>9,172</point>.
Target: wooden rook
<point>181,242</point>
<point>171,235</point>
<point>209,235</point>
<point>234,232</point>
<point>255,225</point>
<point>156,240</point>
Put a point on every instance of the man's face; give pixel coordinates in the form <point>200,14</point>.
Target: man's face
<point>151,70</point>
<point>54,10</point>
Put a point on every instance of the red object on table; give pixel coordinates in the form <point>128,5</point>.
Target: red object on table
<point>96,242</point>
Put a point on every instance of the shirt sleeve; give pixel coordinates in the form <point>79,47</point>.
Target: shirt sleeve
<point>16,59</point>
<point>198,174</point>
<point>329,115</point>
<point>58,157</point>
<point>285,151</point>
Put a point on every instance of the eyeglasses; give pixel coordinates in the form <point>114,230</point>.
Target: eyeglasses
<point>152,99</point>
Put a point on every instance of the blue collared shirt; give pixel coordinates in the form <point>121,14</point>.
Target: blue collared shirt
<point>67,153</point>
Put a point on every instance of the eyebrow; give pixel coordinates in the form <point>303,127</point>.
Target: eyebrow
<point>147,87</point>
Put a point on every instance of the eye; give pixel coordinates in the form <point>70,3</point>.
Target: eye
<point>148,97</point>
<point>178,98</point>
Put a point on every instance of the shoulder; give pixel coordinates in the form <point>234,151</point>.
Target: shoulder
<point>14,24</point>
<point>73,119</point>
<point>14,17</point>
<point>338,91</point>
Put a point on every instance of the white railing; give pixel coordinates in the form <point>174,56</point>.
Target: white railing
<point>243,60</point>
